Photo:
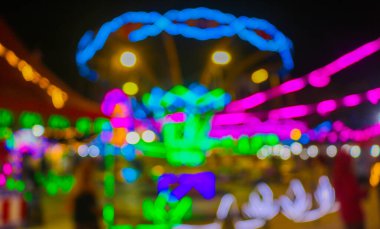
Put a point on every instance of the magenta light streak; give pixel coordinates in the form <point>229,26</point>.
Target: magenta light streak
<point>351,100</point>
<point>321,108</point>
<point>122,122</point>
<point>281,128</point>
<point>290,112</point>
<point>233,118</point>
<point>248,102</point>
<point>176,117</point>
<point>292,85</point>
<point>373,96</point>
<point>318,78</point>
<point>346,134</point>
<point>7,169</point>
<point>326,106</point>
<point>2,180</point>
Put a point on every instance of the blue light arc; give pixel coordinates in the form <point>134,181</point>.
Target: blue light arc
<point>174,23</point>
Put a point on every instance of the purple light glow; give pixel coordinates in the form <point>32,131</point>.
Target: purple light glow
<point>351,100</point>
<point>111,99</point>
<point>203,182</point>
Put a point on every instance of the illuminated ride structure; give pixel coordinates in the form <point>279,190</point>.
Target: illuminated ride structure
<point>184,125</point>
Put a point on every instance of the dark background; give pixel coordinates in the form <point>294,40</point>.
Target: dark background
<point>320,30</point>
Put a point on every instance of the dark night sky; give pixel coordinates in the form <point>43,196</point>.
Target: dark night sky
<point>320,30</point>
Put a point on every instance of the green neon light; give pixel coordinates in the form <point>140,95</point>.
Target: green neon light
<point>184,143</point>
<point>109,184</point>
<point>157,211</point>
<point>58,122</point>
<point>54,183</point>
<point>5,133</point>
<point>83,125</point>
<point>194,100</point>
<point>108,214</point>
<point>29,119</point>
<point>248,146</point>
<point>98,124</point>
<point>6,118</point>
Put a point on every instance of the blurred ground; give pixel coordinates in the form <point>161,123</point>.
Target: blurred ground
<point>56,215</point>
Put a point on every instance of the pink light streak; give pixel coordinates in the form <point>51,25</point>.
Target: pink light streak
<point>317,78</point>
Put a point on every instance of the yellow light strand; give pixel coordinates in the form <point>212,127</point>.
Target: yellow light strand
<point>58,96</point>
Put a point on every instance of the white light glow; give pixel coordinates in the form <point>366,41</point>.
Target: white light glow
<point>331,151</point>
<point>133,138</point>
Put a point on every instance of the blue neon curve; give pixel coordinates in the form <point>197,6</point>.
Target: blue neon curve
<point>174,23</point>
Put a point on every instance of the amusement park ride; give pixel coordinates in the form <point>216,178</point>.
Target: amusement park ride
<point>185,124</point>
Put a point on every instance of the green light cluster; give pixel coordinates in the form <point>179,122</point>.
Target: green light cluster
<point>6,118</point>
<point>29,119</point>
<point>249,146</point>
<point>15,185</point>
<point>157,211</point>
<point>58,122</point>
<point>83,125</point>
<point>5,133</point>
<point>184,143</point>
<point>195,99</point>
<point>98,124</point>
<point>54,183</point>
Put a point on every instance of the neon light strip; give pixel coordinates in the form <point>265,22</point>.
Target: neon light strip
<point>317,78</point>
<point>174,23</point>
<point>281,128</point>
<point>58,96</point>
<point>322,108</point>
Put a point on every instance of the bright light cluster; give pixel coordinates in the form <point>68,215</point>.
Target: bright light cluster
<point>58,96</point>
<point>175,22</point>
<point>194,99</point>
